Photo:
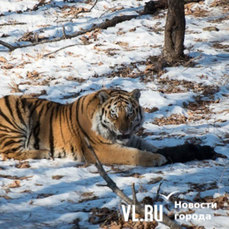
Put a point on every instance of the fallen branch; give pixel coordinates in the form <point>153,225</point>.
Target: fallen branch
<point>9,46</point>
<point>13,23</point>
<point>104,25</point>
<point>112,185</point>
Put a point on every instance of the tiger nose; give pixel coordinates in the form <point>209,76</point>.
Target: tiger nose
<point>122,131</point>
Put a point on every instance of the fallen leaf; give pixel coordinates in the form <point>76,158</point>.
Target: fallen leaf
<point>23,165</point>
<point>57,177</point>
<point>6,197</point>
<point>14,184</point>
<point>2,59</point>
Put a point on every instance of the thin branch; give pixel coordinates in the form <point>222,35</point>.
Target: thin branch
<point>68,46</point>
<point>134,195</point>
<point>112,185</point>
<point>158,191</point>
<point>36,38</point>
<point>82,11</point>
<point>64,33</point>
<point>13,23</point>
<point>221,177</point>
<point>93,6</point>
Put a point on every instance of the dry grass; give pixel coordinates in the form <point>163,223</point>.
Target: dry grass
<point>14,86</point>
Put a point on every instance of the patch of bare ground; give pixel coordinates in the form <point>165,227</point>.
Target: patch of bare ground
<point>222,201</point>
<point>174,119</point>
<point>195,10</point>
<point>221,3</point>
<point>34,8</point>
<point>32,37</point>
<point>219,20</point>
<point>67,10</point>
<point>168,86</point>
<point>87,196</point>
<point>218,45</point>
<point>197,110</point>
<point>76,79</point>
<point>155,65</point>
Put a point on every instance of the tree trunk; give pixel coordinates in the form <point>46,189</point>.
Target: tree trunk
<point>174,31</point>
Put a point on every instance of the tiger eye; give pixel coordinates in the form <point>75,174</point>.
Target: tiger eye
<point>114,116</point>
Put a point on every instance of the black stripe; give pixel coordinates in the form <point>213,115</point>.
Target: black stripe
<point>36,130</point>
<point>6,136</point>
<point>11,130</point>
<point>93,112</point>
<point>48,106</point>
<point>23,101</point>
<point>7,120</point>
<point>61,127</point>
<point>37,103</point>
<point>6,98</point>
<point>105,143</point>
<point>10,142</point>
<point>51,138</point>
<point>16,149</point>
<point>77,119</point>
<point>19,113</point>
<point>13,123</point>
<point>65,154</point>
<point>100,117</point>
<point>91,101</point>
<point>30,106</point>
<point>67,119</point>
<point>72,149</point>
<point>57,109</point>
<point>82,104</point>
<point>104,126</point>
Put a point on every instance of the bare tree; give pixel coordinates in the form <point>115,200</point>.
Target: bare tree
<point>174,31</point>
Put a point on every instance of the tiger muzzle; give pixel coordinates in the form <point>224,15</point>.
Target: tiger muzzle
<point>123,136</point>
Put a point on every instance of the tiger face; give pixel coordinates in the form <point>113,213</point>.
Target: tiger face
<point>120,115</point>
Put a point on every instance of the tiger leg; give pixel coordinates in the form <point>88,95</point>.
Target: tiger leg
<point>117,154</point>
<point>27,154</point>
<point>139,143</point>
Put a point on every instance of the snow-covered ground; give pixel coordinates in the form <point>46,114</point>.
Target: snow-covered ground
<point>183,103</point>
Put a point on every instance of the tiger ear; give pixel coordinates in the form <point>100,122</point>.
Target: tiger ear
<point>136,94</point>
<point>103,96</point>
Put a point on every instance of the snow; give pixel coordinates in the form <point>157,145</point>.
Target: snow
<point>40,200</point>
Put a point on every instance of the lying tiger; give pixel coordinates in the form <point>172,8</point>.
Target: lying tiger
<point>36,128</point>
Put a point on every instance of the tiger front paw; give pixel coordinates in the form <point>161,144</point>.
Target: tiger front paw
<point>158,159</point>
<point>153,160</point>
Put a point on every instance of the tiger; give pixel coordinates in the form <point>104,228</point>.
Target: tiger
<point>34,128</point>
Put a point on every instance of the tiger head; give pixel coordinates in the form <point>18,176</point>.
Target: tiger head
<point>119,115</point>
